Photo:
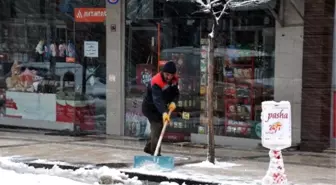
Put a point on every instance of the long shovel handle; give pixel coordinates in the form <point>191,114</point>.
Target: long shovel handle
<point>161,135</point>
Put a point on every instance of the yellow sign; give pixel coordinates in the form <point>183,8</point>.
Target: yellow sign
<point>185,115</point>
<point>202,90</point>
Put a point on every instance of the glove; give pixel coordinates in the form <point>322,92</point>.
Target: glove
<point>172,106</point>
<point>165,118</point>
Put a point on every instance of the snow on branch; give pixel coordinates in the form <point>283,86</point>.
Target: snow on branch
<point>209,6</point>
<point>242,3</point>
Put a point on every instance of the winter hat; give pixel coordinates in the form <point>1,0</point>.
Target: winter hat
<point>169,67</point>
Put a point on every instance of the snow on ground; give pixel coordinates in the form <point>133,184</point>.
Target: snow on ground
<point>81,175</point>
<point>13,173</point>
<point>42,161</point>
<point>10,177</point>
<point>169,183</point>
<point>91,176</point>
<point>197,176</point>
<point>207,164</point>
<point>192,174</point>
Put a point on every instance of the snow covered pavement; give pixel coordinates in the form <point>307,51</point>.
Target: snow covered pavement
<point>19,173</point>
<point>235,166</point>
<point>11,177</point>
<point>14,173</point>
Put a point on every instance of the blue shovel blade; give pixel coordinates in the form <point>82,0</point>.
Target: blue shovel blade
<point>161,162</point>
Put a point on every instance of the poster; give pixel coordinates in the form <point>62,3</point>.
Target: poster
<point>144,73</point>
<point>276,125</point>
<point>35,106</point>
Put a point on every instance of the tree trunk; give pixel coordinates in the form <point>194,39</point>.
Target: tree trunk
<point>210,106</point>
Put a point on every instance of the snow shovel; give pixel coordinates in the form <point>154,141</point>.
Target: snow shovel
<point>164,163</point>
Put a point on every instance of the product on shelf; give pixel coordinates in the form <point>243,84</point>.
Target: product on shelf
<point>230,89</point>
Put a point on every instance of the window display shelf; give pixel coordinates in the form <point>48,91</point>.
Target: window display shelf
<point>239,96</point>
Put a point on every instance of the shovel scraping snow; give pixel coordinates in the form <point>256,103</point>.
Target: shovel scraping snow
<point>161,162</point>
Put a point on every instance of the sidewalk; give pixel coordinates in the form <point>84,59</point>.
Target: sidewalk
<point>241,166</point>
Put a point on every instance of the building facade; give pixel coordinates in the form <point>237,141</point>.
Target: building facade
<point>84,66</point>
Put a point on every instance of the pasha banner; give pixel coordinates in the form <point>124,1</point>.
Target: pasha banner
<point>35,106</point>
<point>276,125</point>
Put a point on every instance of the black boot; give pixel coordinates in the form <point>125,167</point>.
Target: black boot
<point>147,148</point>
<point>148,151</point>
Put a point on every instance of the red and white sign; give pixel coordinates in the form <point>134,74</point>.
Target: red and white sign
<point>276,125</point>
<point>78,112</point>
<point>97,15</point>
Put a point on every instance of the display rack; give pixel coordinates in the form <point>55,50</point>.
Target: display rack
<point>239,96</point>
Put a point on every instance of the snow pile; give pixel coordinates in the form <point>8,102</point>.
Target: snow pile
<point>41,161</point>
<point>207,164</point>
<point>170,183</point>
<point>103,174</point>
<point>195,172</point>
<point>13,178</point>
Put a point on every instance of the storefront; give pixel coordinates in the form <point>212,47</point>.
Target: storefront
<point>244,63</point>
<point>51,77</point>
<point>107,50</point>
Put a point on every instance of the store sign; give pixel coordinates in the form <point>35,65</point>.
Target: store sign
<point>90,15</point>
<point>276,125</point>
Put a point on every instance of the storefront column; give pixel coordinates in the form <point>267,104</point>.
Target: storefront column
<point>288,64</point>
<point>115,68</point>
<point>317,74</point>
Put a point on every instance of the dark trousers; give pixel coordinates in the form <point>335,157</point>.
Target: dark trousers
<point>39,57</point>
<point>156,127</point>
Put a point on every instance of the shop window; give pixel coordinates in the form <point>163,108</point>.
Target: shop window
<point>244,69</point>
<point>44,74</point>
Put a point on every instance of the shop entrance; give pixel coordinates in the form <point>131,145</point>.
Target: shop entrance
<point>141,54</point>
<point>91,86</point>
<point>141,59</point>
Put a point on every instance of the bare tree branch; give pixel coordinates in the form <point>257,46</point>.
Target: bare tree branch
<point>216,1</point>
<point>202,4</point>
<point>226,6</point>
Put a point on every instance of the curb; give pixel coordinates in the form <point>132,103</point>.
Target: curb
<point>140,176</point>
